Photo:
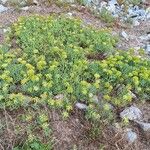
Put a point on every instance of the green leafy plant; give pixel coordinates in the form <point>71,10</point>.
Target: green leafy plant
<point>51,49</point>
<point>62,56</point>
<point>106,16</point>
<point>121,76</point>
<point>34,145</point>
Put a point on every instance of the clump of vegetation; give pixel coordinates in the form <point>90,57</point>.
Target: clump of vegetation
<point>61,56</point>
<point>134,2</point>
<point>52,59</point>
<point>34,144</point>
<point>121,75</point>
<point>81,2</point>
<point>106,16</point>
<point>20,2</point>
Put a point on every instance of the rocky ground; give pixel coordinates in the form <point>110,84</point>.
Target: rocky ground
<point>134,35</point>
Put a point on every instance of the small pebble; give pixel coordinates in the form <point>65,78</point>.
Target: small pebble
<point>81,106</point>
<point>136,23</point>
<point>125,35</point>
<point>131,136</point>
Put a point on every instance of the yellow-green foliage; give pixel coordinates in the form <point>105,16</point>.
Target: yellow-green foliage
<point>106,16</point>
<point>121,76</point>
<point>51,60</point>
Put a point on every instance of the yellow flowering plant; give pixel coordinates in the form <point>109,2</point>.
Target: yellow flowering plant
<point>52,59</point>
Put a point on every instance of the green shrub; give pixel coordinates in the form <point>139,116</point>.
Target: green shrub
<point>35,144</point>
<point>52,60</point>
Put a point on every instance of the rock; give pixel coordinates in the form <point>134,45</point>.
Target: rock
<point>131,136</point>
<point>20,3</point>
<point>95,2</point>
<point>25,8</point>
<point>132,12</point>
<point>141,12</point>
<point>81,106</point>
<point>35,2</point>
<point>59,97</point>
<point>144,126</point>
<point>68,1</point>
<point>137,13</point>
<point>112,6</point>
<point>6,30</point>
<point>3,1</point>
<point>148,34</point>
<point>117,9</point>
<point>147,48</point>
<point>136,23</point>
<point>148,13</point>
<point>113,2</point>
<point>2,8</point>
<point>148,10</point>
<point>148,16</point>
<point>131,113</point>
<point>69,14</point>
<point>132,94</point>
<point>145,37</point>
<point>103,4</point>
<point>95,99</point>
<point>124,35</point>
